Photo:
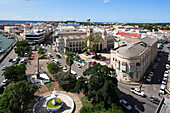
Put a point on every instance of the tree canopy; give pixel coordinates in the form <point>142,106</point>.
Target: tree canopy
<point>53,67</point>
<point>100,86</point>
<point>21,46</point>
<point>40,50</point>
<point>69,60</point>
<point>67,83</point>
<point>15,73</point>
<point>16,97</point>
<point>93,40</point>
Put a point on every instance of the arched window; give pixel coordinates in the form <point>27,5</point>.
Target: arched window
<point>137,66</point>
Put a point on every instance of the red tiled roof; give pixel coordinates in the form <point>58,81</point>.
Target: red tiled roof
<point>128,34</point>
<point>133,27</point>
<point>19,31</point>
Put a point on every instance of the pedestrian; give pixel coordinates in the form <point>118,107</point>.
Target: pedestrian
<point>159,94</point>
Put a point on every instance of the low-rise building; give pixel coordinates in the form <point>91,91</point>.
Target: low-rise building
<point>34,35</point>
<point>132,57</point>
<point>74,40</point>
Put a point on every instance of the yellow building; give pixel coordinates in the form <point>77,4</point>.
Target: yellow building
<point>132,57</point>
<point>74,41</point>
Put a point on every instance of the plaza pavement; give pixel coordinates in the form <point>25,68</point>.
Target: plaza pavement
<point>32,69</point>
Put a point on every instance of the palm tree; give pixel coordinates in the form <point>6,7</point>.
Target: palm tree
<point>69,60</point>
<point>91,43</point>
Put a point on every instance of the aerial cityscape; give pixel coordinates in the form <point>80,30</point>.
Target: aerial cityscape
<point>93,56</point>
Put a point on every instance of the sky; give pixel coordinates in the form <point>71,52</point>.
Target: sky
<point>134,11</point>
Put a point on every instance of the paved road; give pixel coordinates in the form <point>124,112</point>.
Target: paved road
<point>79,71</point>
<point>6,62</point>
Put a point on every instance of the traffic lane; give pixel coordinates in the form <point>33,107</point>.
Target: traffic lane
<point>160,69</point>
<point>6,62</point>
<point>139,104</point>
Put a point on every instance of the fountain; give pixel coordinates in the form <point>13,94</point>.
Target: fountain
<point>53,103</point>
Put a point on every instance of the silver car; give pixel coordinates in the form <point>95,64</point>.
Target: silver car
<point>125,104</point>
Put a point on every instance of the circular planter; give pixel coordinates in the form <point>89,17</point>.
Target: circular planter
<point>53,109</point>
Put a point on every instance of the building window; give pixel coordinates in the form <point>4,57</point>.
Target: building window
<point>76,43</point>
<point>118,65</point>
<point>131,68</point>
<point>137,66</point>
<point>73,44</point>
<point>70,44</point>
<point>79,43</point>
<point>123,74</point>
<point>131,75</point>
<point>124,67</point>
<point>83,43</point>
<point>137,74</point>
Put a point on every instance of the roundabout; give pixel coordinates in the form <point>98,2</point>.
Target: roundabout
<point>55,103</point>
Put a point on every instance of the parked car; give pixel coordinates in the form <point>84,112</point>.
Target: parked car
<point>58,56</point>
<point>65,68</point>
<point>23,60</point>
<point>10,60</point>
<point>166,75</point>
<point>161,91</point>
<point>166,72</point>
<point>125,104</point>
<point>163,86</point>
<point>4,82</point>
<point>165,79</point>
<point>151,74</point>
<point>78,65</point>
<point>148,79</point>
<point>154,100</point>
<point>167,66</point>
<point>3,68</point>
<point>55,60</point>
<point>137,91</point>
<point>163,82</point>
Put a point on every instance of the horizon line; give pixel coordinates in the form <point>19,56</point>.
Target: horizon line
<point>84,21</point>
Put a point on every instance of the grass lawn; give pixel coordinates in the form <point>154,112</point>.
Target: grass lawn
<point>49,103</point>
<point>48,85</point>
<point>86,102</point>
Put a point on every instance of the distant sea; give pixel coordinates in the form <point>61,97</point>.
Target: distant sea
<point>18,21</point>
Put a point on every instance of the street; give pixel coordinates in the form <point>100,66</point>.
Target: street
<point>6,62</point>
<point>62,61</point>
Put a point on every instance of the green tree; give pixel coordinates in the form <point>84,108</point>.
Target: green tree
<point>81,87</point>
<point>16,97</point>
<point>15,73</point>
<point>93,40</point>
<point>41,50</point>
<point>66,81</point>
<point>53,67</point>
<point>69,60</point>
<point>21,46</point>
<point>100,86</point>
<point>29,54</point>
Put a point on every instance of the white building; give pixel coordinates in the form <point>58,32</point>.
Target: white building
<point>34,35</point>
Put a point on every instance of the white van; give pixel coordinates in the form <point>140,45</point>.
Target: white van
<point>73,72</point>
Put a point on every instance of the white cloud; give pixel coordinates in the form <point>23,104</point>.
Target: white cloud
<point>105,1</point>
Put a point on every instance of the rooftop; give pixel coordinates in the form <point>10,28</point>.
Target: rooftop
<point>133,47</point>
<point>128,34</point>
